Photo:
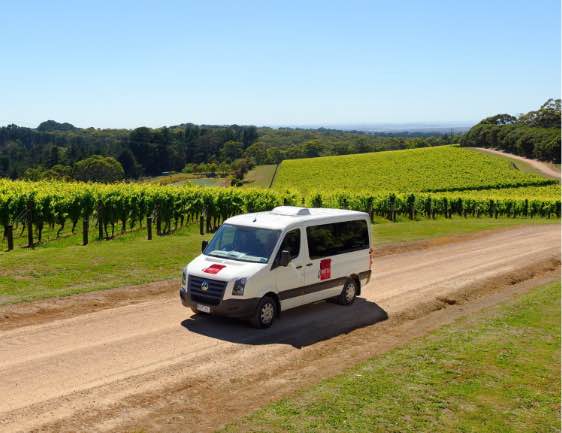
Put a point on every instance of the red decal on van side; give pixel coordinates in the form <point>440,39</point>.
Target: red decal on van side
<point>214,269</point>
<point>325,269</point>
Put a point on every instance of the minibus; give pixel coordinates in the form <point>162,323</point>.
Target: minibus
<point>259,264</point>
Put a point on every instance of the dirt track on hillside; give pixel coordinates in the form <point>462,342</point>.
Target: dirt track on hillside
<point>153,365</point>
<point>539,165</point>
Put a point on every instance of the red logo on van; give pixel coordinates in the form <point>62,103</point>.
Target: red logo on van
<point>325,269</point>
<point>214,269</point>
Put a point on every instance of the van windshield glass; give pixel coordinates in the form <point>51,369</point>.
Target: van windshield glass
<point>247,244</point>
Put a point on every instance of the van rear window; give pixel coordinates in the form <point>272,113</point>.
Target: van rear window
<point>337,238</point>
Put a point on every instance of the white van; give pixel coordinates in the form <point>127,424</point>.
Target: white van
<point>259,264</point>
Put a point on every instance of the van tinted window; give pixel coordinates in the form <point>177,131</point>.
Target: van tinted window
<point>337,238</point>
<point>291,243</point>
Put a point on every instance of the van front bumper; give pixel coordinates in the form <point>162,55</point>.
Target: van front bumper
<point>235,308</point>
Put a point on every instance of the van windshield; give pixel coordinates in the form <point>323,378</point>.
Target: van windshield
<point>246,244</point>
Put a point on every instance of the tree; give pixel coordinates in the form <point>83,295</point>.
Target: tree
<point>241,167</point>
<point>54,156</point>
<point>231,150</point>
<point>130,164</point>
<point>249,135</point>
<point>312,148</point>
<point>258,151</point>
<point>547,116</point>
<point>500,119</point>
<point>98,169</point>
<point>535,134</point>
<point>51,125</point>
<point>140,143</point>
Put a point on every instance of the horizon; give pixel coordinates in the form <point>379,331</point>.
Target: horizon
<point>344,63</point>
<point>363,127</point>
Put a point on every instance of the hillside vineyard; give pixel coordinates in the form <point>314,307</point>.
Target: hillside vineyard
<point>443,168</point>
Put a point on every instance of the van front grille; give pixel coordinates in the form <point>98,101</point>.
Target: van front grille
<point>211,296</point>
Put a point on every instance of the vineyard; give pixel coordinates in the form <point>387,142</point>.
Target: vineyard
<point>436,169</point>
<point>30,207</point>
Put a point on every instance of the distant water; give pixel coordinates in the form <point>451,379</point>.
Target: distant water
<point>441,127</point>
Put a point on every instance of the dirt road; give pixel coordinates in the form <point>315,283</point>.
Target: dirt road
<point>153,365</point>
<point>539,165</point>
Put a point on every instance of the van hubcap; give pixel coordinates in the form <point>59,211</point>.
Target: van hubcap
<point>267,313</point>
<point>349,292</point>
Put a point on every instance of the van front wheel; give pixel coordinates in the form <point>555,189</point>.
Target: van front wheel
<point>265,313</point>
<point>348,293</point>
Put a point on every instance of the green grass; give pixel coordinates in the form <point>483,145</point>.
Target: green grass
<point>496,372</point>
<point>260,176</point>
<point>169,179</point>
<point>208,181</point>
<point>63,267</point>
<point>401,171</point>
<point>184,178</point>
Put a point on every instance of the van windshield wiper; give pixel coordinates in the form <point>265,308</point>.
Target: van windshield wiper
<point>237,255</point>
<point>219,253</point>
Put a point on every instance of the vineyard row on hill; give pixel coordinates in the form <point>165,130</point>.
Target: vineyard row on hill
<point>127,205</point>
<point>434,169</point>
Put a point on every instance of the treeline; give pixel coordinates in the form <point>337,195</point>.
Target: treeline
<point>535,134</point>
<point>276,145</point>
<point>141,151</point>
<point>52,150</point>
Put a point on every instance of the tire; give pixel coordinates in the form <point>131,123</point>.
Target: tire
<point>348,293</point>
<point>265,313</point>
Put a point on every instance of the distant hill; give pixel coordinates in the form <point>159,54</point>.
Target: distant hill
<point>444,168</point>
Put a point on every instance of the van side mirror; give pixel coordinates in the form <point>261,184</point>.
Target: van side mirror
<point>284,258</point>
<point>204,245</point>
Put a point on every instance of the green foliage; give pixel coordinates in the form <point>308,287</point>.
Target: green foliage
<point>99,169</point>
<point>130,165</point>
<point>56,172</point>
<point>535,134</point>
<point>152,151</point>
<point>51,125</point>
<point>444,168</point>
<point>276,145</point>
<point>54,203</point>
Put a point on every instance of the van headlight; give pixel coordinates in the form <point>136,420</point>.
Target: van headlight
<point>183,278</point>
<point>238,289</point>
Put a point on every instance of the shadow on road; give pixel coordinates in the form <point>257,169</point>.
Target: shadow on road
<point>299,327</point>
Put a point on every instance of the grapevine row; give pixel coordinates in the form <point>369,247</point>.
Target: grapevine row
<point>122,206</point>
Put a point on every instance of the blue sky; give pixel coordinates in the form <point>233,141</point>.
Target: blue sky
<point>132,63</point>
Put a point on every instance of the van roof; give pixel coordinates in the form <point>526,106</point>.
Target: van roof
<point>284,216</point>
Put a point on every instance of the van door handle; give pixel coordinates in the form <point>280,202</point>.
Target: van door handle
<point>309,264</point>
<point>298,267</point>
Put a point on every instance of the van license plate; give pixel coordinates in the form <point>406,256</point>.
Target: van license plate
<point>203,308</point>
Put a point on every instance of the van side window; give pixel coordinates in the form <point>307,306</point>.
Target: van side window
<point>337,238</point>
<point>291,243</point>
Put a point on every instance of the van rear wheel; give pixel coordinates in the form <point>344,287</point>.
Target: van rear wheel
<point>348,293</point>
<point>265,313</point>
